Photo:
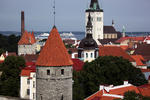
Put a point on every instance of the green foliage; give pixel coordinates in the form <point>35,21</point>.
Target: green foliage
<point>10,79</point>
<point>132,95</point>
<point>9,43</point>
<point>107,70</point>
<point>1,51</point>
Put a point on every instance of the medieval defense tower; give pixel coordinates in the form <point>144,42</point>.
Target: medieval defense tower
<point>96,18</point>
<point>54,70</point>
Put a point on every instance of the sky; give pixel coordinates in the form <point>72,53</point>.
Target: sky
<point>70,14</point>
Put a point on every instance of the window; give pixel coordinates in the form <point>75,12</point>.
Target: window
<point>92,19</point>
<point>28,91</point>
<point>41,97</point>
<point>28,81</point>
<point>82,55</point>
<point>98,19</point>
<point>33,95</point>
<point>62,97</point>
<point>62,71</point>
<point>48,72</point>
<point>91,55</point>
<point>33,84</point>
<point>86,55</point>
<point>37,71</point>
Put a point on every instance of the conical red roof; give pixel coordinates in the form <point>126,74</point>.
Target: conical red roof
<point>54,52</point>
<point>27,38</point>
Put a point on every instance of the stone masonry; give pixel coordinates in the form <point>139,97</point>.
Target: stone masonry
<point>54,86</point>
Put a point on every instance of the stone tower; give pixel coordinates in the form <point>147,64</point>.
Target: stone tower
<point>27,44</point>
<point>96,18</point>
<point>88,49</point>
<point>54,70</point>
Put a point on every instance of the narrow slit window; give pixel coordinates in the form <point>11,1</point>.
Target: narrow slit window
<point>48,72</point>
<point>62,71</point>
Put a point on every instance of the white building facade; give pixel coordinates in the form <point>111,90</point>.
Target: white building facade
<point>28,85</point>
<point>97,20</point>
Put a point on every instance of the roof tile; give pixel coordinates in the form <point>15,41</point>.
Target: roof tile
<point>27,38</point>
<point>114,51</point>
<point>54,52</point>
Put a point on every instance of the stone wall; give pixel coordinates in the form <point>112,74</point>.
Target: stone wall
<point>10,98</point>
<point>26,49</point>
<point>54,86</point>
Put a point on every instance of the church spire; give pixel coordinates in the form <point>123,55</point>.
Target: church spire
<point>94,5</point>
<point>89,25</point>
<point>113,24</point>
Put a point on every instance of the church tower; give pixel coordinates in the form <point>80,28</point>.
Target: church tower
<point>88,48</point>
<point>54,70</point>
<point>96,18</point>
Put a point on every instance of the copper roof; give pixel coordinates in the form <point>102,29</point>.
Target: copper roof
<point>54,52</point>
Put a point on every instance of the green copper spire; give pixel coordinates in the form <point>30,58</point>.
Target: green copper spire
<point>94,5</point>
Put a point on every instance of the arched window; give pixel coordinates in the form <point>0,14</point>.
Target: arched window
<point>86,55</point>
<point>91,55</point>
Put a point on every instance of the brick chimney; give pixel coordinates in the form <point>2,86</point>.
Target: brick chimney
<point>22,22</point>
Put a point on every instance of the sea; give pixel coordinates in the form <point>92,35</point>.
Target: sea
<point>79,35</point>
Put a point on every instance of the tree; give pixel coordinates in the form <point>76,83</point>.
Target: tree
<point>107,70</point>
<point>10,79</point>
<point>9,43</point>
<point>132,95</point>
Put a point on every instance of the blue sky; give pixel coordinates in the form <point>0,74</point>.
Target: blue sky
<point>70,14</point>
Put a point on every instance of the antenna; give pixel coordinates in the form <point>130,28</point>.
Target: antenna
<point>54,12</point>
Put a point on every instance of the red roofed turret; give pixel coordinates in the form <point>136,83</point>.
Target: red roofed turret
<point>27,38</point>
<point>54,52</point>
<point>33,37</point>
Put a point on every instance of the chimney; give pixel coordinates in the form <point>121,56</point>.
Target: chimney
<point>125,83</point>
<point>22,22</point>
<point>6,53</point>
<point>101,87</point>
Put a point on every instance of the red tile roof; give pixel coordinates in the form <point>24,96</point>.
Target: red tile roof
<point>139,60</point>
<point>130,38</point>
<point>34,40</point>
<point>30,57</point>
<point>114,51</point>
<point>118,91</point>
<point>77,64</point>
<point>145,70</point>
<point>121,91</point>
<point>145,89</point>
<point>54,52</point>
<point>25,72</point>
<point>27,38</point>
<point>124,47</point>
<point>10,54</point>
